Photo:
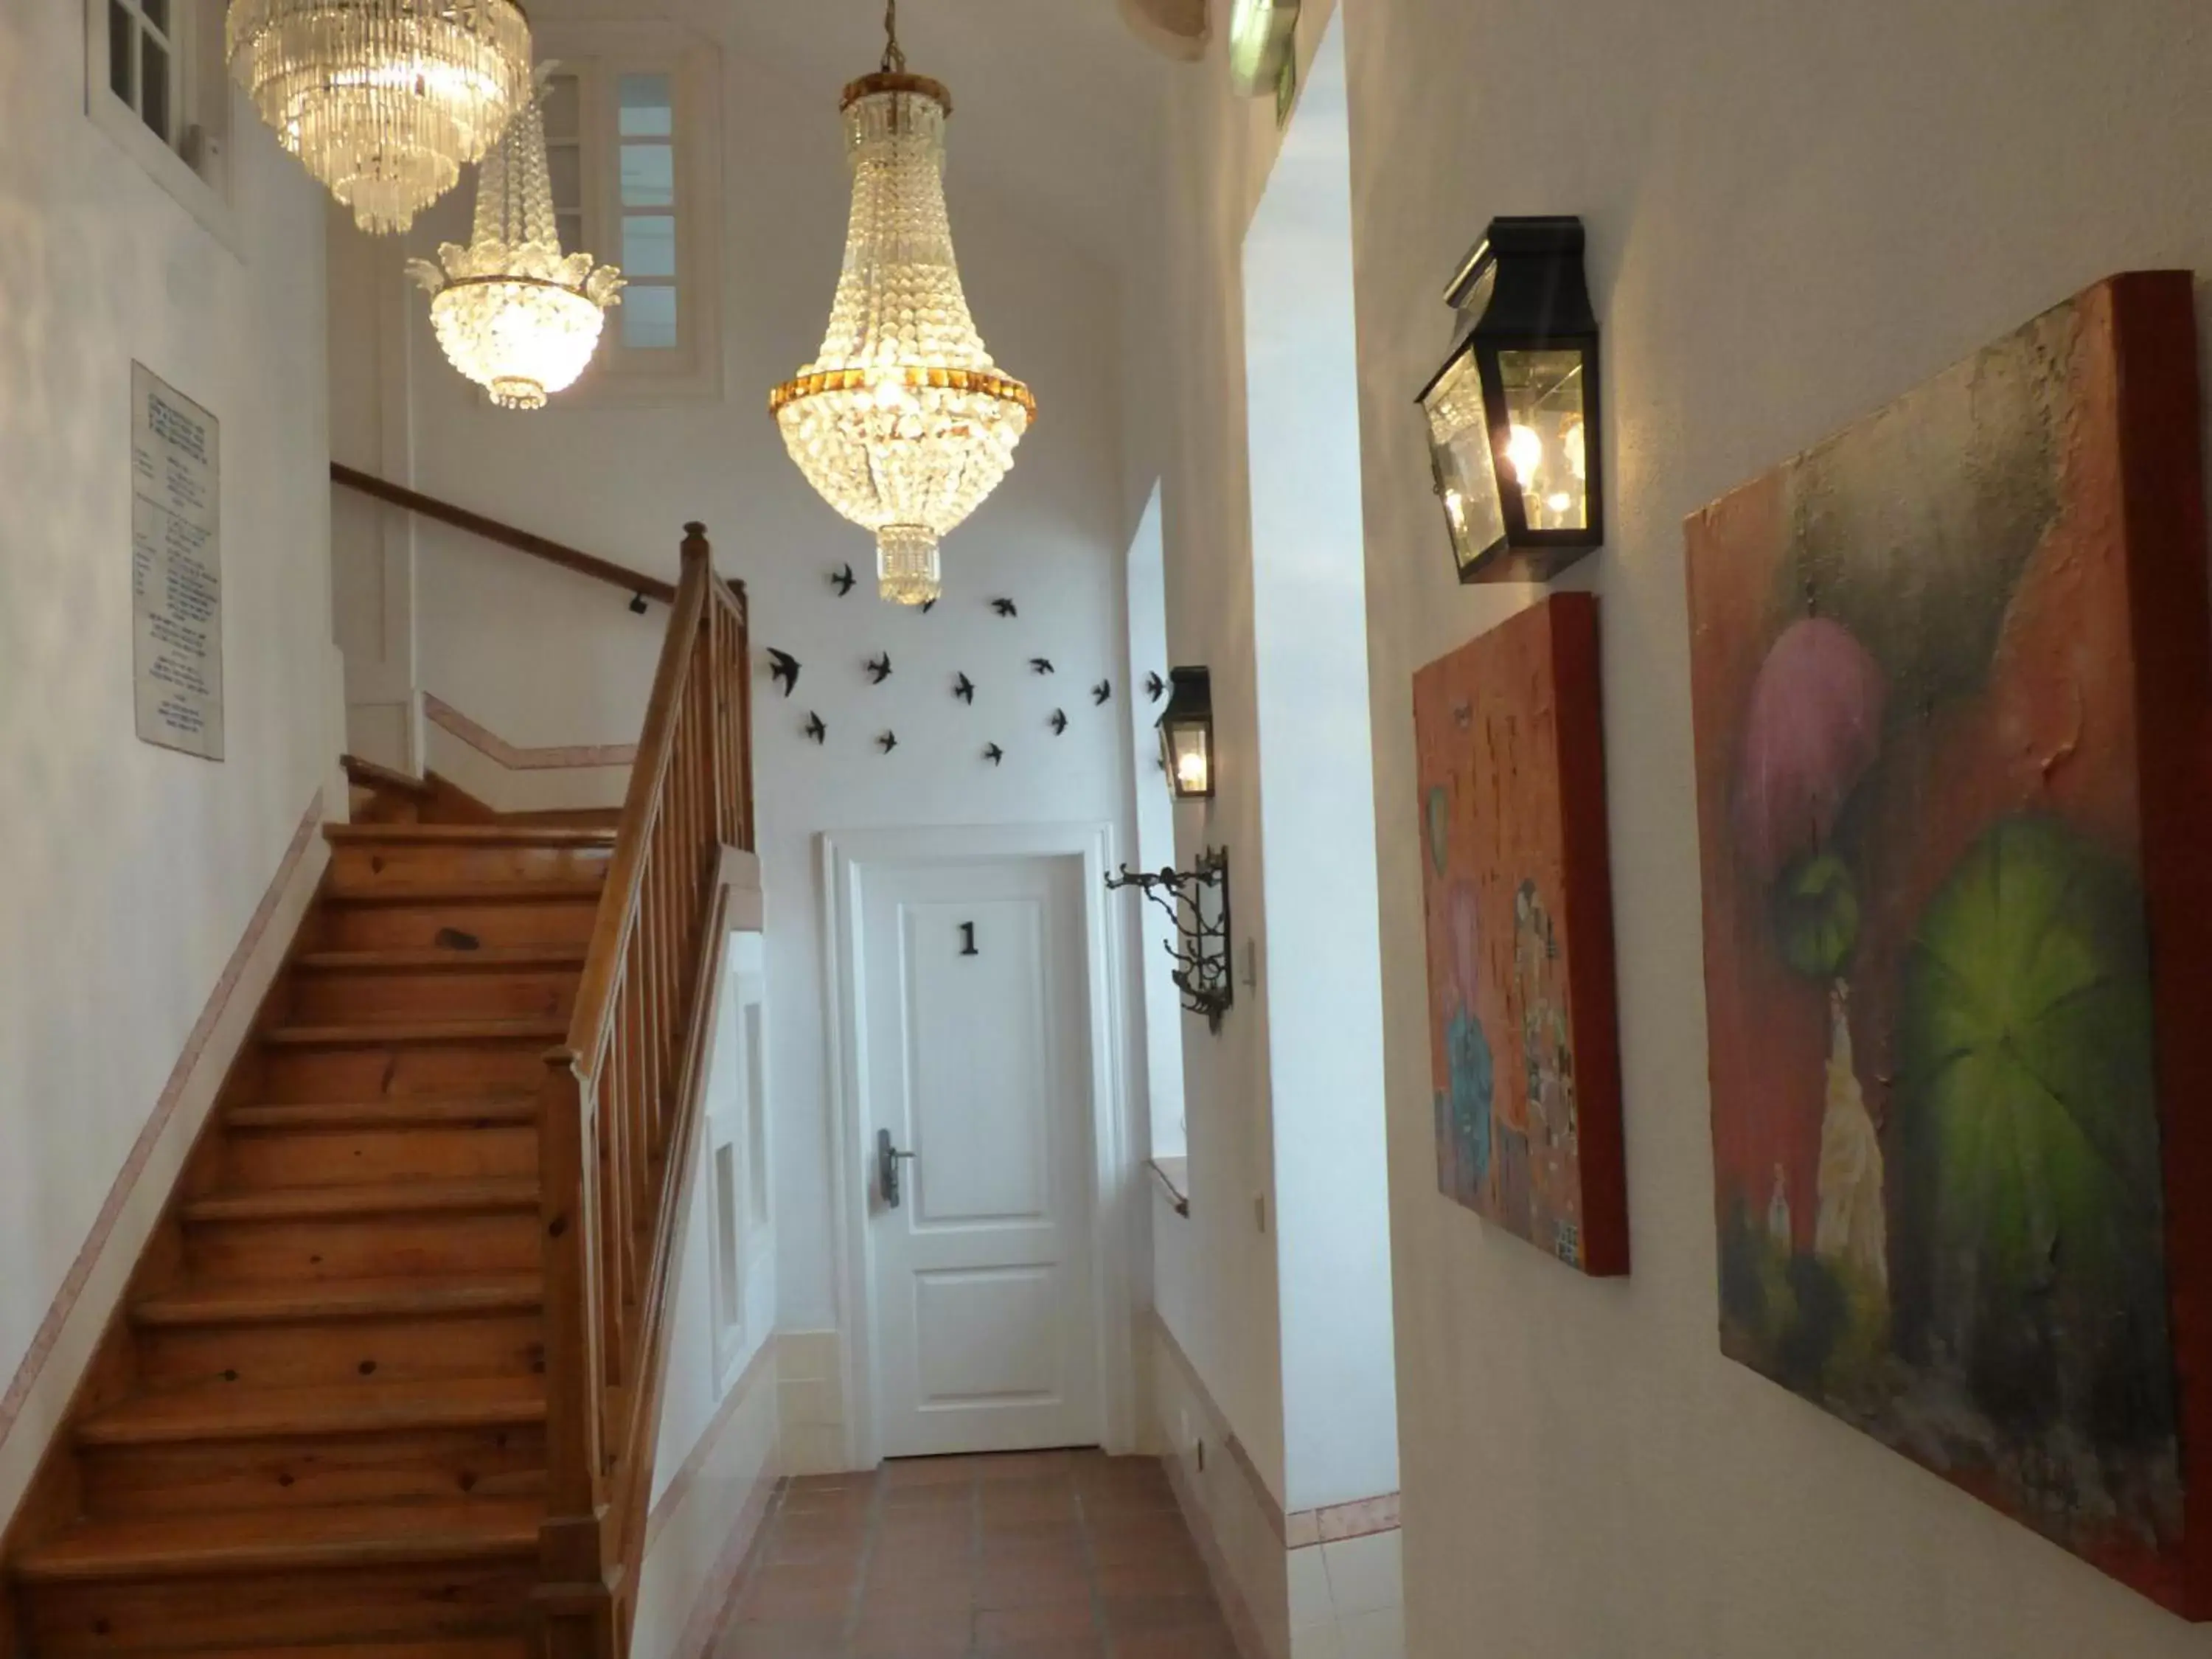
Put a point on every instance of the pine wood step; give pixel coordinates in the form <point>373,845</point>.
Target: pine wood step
<point>407,1112</point>
<point>559,891</point>
<point>367,1406</point>
<point>417,1034</point>
<point>397,1198</point>
<point>307,1540</point>
<point>467,834</point>
<point>336,1299</point>
<point>267,1316</point>
<point>488,1647</point>
<point>524,981</point>
<point>458,917</point>
<point>400,960</point>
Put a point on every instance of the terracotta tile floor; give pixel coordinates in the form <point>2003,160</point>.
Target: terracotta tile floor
<point>1040,1555</point>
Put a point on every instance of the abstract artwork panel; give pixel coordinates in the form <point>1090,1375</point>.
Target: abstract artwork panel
<point>1950,687</point>
<point>1519,908</point>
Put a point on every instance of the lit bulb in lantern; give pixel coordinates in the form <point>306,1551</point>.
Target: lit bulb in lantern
<point>1526,450</point>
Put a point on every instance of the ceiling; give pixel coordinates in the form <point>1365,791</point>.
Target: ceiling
<point>1053,100</point>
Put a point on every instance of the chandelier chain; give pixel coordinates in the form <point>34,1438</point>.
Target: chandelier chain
<point>893,54</point>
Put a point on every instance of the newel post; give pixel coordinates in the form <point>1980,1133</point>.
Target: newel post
<point>572,1558</point>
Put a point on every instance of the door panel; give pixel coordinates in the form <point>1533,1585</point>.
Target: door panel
<point>978,1065</point>
<point>986,1335</point>
<point>976,1059</point>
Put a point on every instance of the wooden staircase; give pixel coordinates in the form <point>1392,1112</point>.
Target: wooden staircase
<point>325,1419</point>
<point>319,1422</point>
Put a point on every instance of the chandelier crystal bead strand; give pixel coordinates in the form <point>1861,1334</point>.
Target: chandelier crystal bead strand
<point>383,100</point>
<point>513,313</point>
<point>901,422</point>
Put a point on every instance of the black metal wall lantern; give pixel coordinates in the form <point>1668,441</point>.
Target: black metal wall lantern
<point>1186,728</point>
<point>1197,901</point>
<point>1514,415</point>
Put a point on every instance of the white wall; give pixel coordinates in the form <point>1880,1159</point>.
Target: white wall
<point>1796,214</point>
<point>128,873</point>
<point>715,1464</point>
<point>699,1379</point>
<point>1155,818</point>
<point>1215,1280</point>
<point>543,658</point>
<point>1276,1286</point>
<point>1316,764</point>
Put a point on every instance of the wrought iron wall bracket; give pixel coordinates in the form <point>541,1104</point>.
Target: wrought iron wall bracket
<point>1197,902</point>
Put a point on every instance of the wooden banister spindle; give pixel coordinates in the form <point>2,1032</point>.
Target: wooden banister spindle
<point>621,1100</point>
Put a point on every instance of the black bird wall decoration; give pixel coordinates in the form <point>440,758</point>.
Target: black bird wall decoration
<point>994,754</point>
<point>888,741</point>
<point>843,581</point>
<point>783,668</point>
<point>1004,607</point>
<point>1059,721</point>
<point>879,669</point>
<point>815,729</point>
<point>1041,666</point>
<point>965,688</point>
<point>1155,687</point>
<point>1102,693</point>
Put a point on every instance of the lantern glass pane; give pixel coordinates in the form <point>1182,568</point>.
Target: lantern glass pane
<point>1459,449</point>
<point>1545,446</point>
<point>1189,748</point>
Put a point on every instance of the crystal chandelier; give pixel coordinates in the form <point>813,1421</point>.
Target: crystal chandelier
<point>902,422</point>
<point>384,100</point>
<point>512,315</point>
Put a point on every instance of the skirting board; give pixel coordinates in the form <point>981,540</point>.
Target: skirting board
<point>1256,1555</point>
<point>509,778</point>
<point>37,1395</point>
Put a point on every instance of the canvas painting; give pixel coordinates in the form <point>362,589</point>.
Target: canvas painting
<point>1950,688</point>
<point>1520,934</point>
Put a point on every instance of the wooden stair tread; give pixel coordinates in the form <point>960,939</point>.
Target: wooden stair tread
<point>453,1647</point>
<point>495,959</point>
<point>400,1112</point>
<point>467,834</point>
<point>254,1303</point>
<point>555,890</point>
<point>417,1032</point>
<point>367,1406</point>
<point>390,1197</point>
<point>301,1538</point>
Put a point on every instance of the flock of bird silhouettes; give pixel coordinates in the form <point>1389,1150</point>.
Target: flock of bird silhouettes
<point>784,669</point>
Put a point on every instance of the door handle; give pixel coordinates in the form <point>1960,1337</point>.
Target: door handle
<point>888,1174</point>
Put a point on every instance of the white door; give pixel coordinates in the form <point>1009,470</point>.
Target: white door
<point>977,1035</point>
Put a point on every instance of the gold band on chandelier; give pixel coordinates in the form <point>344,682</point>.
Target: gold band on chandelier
<point>989,382</point>
<point>897,80</point>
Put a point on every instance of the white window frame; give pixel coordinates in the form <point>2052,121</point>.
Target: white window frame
<point>194,166</point>
<point>600,55</point>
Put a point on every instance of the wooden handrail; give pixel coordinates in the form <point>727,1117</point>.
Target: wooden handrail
<point>623,1100</point>
<point>522,541</point>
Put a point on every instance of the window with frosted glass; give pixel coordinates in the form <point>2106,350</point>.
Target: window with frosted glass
<point>645,191</point>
